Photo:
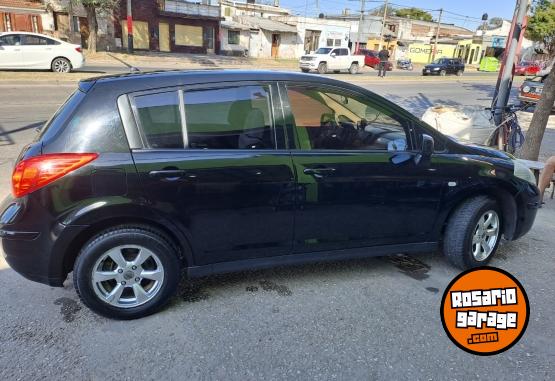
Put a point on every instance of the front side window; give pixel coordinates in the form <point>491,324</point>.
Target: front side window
<point>160,120</point>
<point>229,118</point>
<point>332,120</point>
<point>233,37</point>
<point>35,40</point>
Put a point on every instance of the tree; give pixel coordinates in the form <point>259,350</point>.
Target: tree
<point>92,7</point>
<point>379,11</point>
<point>541,28</point>
<point>414,14</point>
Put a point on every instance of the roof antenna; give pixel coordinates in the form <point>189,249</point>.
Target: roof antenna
<point>132,69</point>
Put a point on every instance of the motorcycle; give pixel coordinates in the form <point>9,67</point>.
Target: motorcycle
<point>404,64</point>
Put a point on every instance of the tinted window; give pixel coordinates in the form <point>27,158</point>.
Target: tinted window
<point>229,118</point>
<point>160,119</point>
<point>34,40</point>
<point>12,39</point>
<point>332,120</point>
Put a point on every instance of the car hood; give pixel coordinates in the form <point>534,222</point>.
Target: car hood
<point>478,149</point>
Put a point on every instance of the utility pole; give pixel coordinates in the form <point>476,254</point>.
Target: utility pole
<point>129,28</point>
<point>437,34</point>
<point>70,17</point>
<point>360,21</point>
<point>383,24</point>
<point>505,80</point>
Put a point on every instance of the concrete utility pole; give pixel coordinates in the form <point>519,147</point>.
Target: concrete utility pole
<point>383,24</point>
<point>360,21</point>
<point>505,80</point>
<point>70,18</point>
<point>129,28</point>
<point>434,52</point>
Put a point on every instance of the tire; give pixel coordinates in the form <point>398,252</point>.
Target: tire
<point>323,68</point>
<point>61,65</point>
<point>459,73</point>
<point>305,70</point>
<point>442,73</point>
<point>337,71</point>
<point>130,242</point>
<point>462,230</point>
<point>354,68</point>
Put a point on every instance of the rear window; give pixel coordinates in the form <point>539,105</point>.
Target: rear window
<point>61,115</point>
<point>225,118</point>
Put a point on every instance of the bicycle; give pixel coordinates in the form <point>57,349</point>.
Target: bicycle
<point>508,135</point>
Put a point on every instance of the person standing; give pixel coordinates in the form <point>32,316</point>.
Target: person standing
<point>383,55</point>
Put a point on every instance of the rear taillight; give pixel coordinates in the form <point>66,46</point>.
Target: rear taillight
<point>79,50</point>
<point>34,173</point>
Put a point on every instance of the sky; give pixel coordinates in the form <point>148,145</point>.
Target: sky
<point>471,8</point>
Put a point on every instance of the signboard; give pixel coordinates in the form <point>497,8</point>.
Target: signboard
<point>498,41</point>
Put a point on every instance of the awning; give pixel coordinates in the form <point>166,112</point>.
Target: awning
<point>267,24</point>
<point>229,24</point>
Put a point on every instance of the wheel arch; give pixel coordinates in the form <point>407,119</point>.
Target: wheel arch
<point>65,58</point>
<point>505,200</point>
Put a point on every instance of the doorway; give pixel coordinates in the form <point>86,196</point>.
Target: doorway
<point>276,40</point>
<point>164,35</point>
<point>209,39</point>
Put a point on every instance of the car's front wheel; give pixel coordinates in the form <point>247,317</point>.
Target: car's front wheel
<point>473,233</point>
<point>127,272</point>
<point>61,65</point>
<point>323,68</point>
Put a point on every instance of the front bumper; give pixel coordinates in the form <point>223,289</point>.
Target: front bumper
<point>308,65</point>
<point>430,72</point>
<point>528,201</point>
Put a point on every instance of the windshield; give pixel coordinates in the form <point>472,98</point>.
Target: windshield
<point>438,61</point>
<point>323,51</point>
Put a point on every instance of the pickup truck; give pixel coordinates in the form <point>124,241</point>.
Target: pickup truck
<point>331,59</point>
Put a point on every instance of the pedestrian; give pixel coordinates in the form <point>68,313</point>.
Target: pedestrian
<point>383,55</point>
<point>546,175</point>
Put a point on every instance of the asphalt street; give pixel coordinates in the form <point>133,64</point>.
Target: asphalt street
<point>366,319</point>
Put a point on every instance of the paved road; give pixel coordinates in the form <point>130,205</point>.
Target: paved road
<point>366,319</point>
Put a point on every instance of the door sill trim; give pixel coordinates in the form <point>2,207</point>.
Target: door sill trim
<point>298,259</point>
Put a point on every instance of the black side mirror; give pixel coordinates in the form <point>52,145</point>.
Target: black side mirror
<point>427,145</point>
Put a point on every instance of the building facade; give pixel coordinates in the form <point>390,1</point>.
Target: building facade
<point>21,15</point>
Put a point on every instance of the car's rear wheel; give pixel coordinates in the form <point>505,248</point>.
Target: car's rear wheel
<point>442,73</point>
<point>305,70</point>
<point>323,68</point>
<point>127,272</point>
<point>61,65</point>
<point>354,68</point>
<point>459,73</point>
<point>473,233</point>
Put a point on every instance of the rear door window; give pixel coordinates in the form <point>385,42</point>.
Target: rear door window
<point>229,118</point>
<point>10,40</point>
<point>160,119</point>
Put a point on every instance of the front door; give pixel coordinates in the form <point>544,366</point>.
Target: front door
<point>164,35</point>
<point>358,181</point>
<point>38,52</point>
<point>10,51</point>
<point>219,173</point>
<point>276,40</point>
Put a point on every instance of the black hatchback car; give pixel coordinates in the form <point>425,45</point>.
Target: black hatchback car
<point>444,66</point>
<point>139,176</point>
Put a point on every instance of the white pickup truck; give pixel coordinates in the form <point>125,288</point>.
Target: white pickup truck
<point>331,59</point>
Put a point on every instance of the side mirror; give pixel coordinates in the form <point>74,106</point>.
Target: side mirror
<point>333,54</point>
<point>427,145</point>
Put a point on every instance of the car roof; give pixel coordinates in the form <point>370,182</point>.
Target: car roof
<point>138,81</point>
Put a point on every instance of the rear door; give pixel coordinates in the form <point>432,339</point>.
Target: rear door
<point>358,178</point>
<point>38,52</point>
<point>212,160</point>
<point>10,51</point>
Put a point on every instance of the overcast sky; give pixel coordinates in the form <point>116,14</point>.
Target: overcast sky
<point>471,8</point>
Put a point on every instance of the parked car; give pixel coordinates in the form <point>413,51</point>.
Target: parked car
<point>527,68</point>
<point>24,50</point>
<point>531,90</point>
<point>371,59</point>
<point>331,59</point>
<point>444,66</point>
<point>139,176</point>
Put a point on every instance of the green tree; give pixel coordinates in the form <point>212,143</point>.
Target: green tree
<point>379,11</point>
<point>414,14</point>
<point>541,28</point>
<point>92,8</point>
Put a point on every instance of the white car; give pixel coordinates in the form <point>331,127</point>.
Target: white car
<point>331,59</point>
<point>25,50</point>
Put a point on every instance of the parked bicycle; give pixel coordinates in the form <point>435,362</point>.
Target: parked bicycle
<point>508,135</point>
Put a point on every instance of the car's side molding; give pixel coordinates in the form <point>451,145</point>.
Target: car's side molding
<point>319,256</point>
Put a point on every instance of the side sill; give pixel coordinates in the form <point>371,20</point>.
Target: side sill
<point>298,259</point>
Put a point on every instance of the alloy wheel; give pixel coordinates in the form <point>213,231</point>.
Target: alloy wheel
<point>127,276</point>
<point>485,235</point>
<point>61,66</point>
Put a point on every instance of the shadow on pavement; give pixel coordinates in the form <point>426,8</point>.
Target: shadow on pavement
<point>5,136</point>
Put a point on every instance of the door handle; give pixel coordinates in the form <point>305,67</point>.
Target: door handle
<point>169,174</point>
<point>319,172</point>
